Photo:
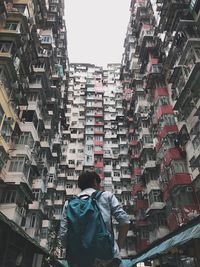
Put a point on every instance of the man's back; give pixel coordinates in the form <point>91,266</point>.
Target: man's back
<point>108,205</point>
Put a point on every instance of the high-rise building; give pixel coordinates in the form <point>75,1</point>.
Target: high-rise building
<point>33,86</point>
<point>160,75</point>
<point>96,134</point>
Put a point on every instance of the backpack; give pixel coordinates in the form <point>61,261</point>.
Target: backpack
<point>87,235</point>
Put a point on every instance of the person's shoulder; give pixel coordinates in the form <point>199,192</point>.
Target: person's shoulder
<point>107,194</point>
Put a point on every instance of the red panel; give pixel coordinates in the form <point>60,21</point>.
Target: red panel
<point>137,171</point>
<point>98,132</point>
<point>180,179</point>
<point>160,91</point>
<point>133,142</point>
<point>99,123</point>
<point>98,114</point>
<point>167,129</point>
<point>164,109</point>
<point>137,188</point>
<point>172,154</point>
<point>141,204</point>
<point>98,143</point>
<point>100,152</point>
<point>99,164</point>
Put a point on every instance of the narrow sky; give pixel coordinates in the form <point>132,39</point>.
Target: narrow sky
<point>96,30</point>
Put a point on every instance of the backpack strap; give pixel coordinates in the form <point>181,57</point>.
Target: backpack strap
<point>96,195</point>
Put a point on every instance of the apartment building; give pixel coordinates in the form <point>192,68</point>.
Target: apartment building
<point>160,74</point>
<point>33,83</point>
<point>96,134</point>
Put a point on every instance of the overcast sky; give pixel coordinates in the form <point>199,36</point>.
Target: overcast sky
<point>96,30</point>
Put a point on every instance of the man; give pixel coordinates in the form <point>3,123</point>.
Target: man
<point>109,206</point>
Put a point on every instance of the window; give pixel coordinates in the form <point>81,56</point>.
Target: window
<point>177,167</point>
<point>144,234</point>
<point>33,220</point>
<point>9,197</point>
<point>147,139</point>
<point>17,164</point>
<point>26,139</point>
<point>168,119</point>
<point>44,233</point>
<point>184,197</point>
<point>69,186</point>
<point>5,47</point>
<point>107,174</point>
<point>72,151</point>
<point>36,194</point>
<point>51,178</point>
<point>46,39</point>
<point>71,162</point>
<point>6,130</point>
<point>155,196</point>
<point>58,211</point>
<point>11,25</point>
<point>1,114</point>
<point>70,173</point>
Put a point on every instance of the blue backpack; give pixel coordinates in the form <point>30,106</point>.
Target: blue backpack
<point>87,235</point>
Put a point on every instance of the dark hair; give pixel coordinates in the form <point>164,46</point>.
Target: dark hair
<point>87,179</point>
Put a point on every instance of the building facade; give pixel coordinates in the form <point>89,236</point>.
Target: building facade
<point>96,134</point>
<point>161,101</point>
<point>33,86</point>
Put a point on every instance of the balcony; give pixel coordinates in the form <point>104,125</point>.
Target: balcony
<point>173,154</point>
<point>45,144</point>
<point>98,132</point>
<point>155,72</point>
<point>167,129</point>
<point>37,205</point>
<point>98,114</point>
<point>7,58</point>
<point>150,164</point>
<point>49,202</point>
<point>126,176</point>
<point>179,179</point>
<point>22,150</point>
<point>155,206</point>
<point>12,212</point>
<point>46,224</point>
<point>164,109</point>
<point>59,202</point>
<point>60,188</point>
<point>98,152</point>
<point>170,15</point>
<point>152,185</point>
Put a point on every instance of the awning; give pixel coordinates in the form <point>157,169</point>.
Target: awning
<point>177,240</point>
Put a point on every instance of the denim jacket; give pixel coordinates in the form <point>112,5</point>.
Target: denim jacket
<point>109,206</point>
